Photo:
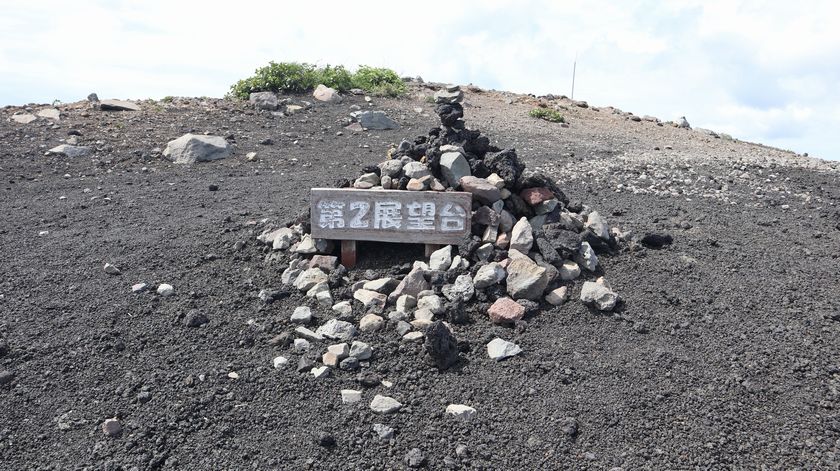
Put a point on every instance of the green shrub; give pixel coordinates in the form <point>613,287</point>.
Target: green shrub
<point>296,77</point>
<point>547,114</point>
<point>378,81</point>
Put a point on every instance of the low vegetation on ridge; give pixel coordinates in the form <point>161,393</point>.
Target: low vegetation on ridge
<point>297,77</point>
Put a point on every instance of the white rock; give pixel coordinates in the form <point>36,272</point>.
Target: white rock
<point>337,330</point>
<point>350,396</point>
<point>344,308</point>
<point>24,118</point>
<point>598,225</point>
<point>526,279</point>
<point>522,236</point>
<point>324,298</point>
<point>586,257</point>
<point>326,94</point>
<point>416,170</point>
<point>282,239</point>
<point>139,287</point>
<point>111,269</point>
<point>489,275</point>
<point>370,298</point>
<point>165,289</point>
<point>308,334</point>
<point>598,295</point>
<point>301,345</point>
<point>302,315</point>
<point>69,151</point>
<point>381,285</point>
<point>191,148</point>
<point>280,362</point>
<point>406,302</point>
<point>454,166</point>
<point>309,278</point>
<point>50,113</point>
<point>360,350</point>
<point>370,323</point>
<point>462,289</point>
<point>306,245</point>
<point>413,337</point>
<point>461,412</point>
<point>569,270</point>
<point>340,350</point>
<point>459,263</point>
<point>432,303</point>
<point>321,371</point>
<point>424,315</point>
<point>441,259</point>
<point>499,349</point>
<point>557,296</point>
<point>384,404</point>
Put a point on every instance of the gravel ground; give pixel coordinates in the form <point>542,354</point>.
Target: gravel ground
<point>723,357</point>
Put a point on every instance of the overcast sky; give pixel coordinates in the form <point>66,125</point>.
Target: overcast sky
<point>761,71</point>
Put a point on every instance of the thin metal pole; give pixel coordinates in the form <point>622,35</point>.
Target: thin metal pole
<point>574,70</point>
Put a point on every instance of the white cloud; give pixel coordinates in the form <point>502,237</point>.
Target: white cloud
<point>762,71</point>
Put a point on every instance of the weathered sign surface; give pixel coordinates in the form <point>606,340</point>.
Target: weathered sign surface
<point>417,217</point>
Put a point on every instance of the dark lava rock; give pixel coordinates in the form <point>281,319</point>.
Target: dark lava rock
<point>518,207</point>
<point>548,251</point>
<point>564,241</point>
<point>598,244</point>
<point>657,241</point>
<point>325,440</point>
<point>372,169</point>
<point>6,377</point>
<point>349,364</point>
<point>441,346</point>
<point>468,246</point>
<point>195,318</point>
<point>570,427</point>
<point>343,183</point>
<point>415,458</point>
<point>213,187</point>
<point>369,379</point>
<point>449,113</point>
<point>305,364</point>
<point>4,348</point>
<point>479,169</point>
<point>506,165</point>
<point>534,179</point>
<point>282,340</point>
<point>456,313</point>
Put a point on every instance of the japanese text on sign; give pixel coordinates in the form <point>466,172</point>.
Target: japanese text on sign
<point>392,216</point>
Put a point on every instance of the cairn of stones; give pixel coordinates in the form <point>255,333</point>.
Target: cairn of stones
<point>528,245</point>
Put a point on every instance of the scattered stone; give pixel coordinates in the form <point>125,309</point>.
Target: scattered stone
<point>441,346</point>
<point>586,257</point>
<point>349,364</point>
<point>320,371</point>
<point>267,101</point>
<point>489,275</point>
<point>526,279</point>
<point>557,296</point>
<point>24,118</point>
<point>118,105</point>
<point>506,311</point>
<point>432,303</point>
<point>381,285</point>
<point>280,362</point>
<point>598,225</point>
<point>416,170</point>
<point>344,308</point>
<point>350,396</point>
<point>192,148</point>
<point>598,295</point>
<point>376,120</point>
<point>462,289</point>
<point>522,236</point>
<point>50,113</point>
<point>499,349</point>
<point>301,315</point>
<point>305,364</point>
<point>165,289</point>
<point>301,345</point>
<point>454,166</point>
<point>326,440</point>
<point>484,191</point>
<point>195,318</point>
<point>461,412</point>
<point>112,427</point>
<point>383,431</point>
<point>384,404</point>
<point>535,196</point>
<point>414,458</point>
<point>441,259</point>
<point>360,350</point>
<point>326,262</point>
<point>326,94</point>
<point>308,334</point>
<point>406,302</point>
<point>412,337</point>
<point>656,241</point>
<point>6,377</point>
<point>337,330</point>
<point>309,278</point>
<point>111,269</point>
<point>68,150</point>
<point>371,323</point>
<point>370,298</point>
<point>569,270</point>
<point>139,287</point>
<point>412,284</point>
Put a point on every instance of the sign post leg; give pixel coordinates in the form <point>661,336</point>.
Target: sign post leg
<point>348,253</point>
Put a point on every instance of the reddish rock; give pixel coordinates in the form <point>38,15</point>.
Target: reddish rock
<point>327,262</point>
<point>535,196</point>
<point>482,190</point>
<point>506,311</point>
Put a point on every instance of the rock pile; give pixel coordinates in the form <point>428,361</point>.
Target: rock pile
<point>527,246</point>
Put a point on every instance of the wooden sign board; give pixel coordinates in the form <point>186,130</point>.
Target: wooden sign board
<point>412,217</point>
